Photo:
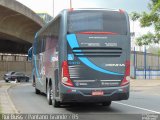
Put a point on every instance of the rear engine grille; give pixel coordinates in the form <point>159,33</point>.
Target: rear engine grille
<point>95,51</point>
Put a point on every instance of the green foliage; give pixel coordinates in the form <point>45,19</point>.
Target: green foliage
<point>134,16</point>
<point>150,19</point>
<point>154,50</point>
<point>145,39</point>
<point>0,109</point>
<point>146,19</point>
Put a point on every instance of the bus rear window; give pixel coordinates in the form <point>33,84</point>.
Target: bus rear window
<point>97,21</point>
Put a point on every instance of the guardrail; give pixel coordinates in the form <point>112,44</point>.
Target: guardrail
<point>148,72</point>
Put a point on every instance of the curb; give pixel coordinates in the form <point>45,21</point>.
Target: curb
<point>145,83</point>
<point>10,100</point>
<point>6,102</point>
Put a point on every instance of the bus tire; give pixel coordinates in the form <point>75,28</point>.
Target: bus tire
<point>56,103</point>
<point>33,81</point>
<point>108,103</point>
<point>37,91</point>
<point>49,93</point>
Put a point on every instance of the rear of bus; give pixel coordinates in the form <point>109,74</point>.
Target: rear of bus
<point>97,66</point>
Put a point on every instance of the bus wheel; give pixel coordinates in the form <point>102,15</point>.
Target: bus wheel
<point>108,103</point>
<point>37,91</point>
<point>56,103</point>
<point>33,82</point>
<point>49,94</point>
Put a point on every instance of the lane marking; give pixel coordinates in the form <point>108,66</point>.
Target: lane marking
<point>137,107</point>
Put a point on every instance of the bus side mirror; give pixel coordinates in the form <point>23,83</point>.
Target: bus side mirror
<point>30,53</point>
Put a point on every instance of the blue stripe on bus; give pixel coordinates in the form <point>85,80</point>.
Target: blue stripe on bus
<point>36,69</point>
<point>72,40</point>
<point>35,64</point>
<point>77,51</point>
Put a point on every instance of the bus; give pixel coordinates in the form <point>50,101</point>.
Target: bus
<point>83,55</point>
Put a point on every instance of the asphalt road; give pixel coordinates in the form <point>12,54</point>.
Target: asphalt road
<point>139,104</point>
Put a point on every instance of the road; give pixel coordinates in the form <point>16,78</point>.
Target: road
<point>140,103</point>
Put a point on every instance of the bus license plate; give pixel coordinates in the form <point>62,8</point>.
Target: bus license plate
<point>97,93</point>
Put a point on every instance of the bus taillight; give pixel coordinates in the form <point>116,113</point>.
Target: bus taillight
<point>65,75</point>
<point>71,10</point>
<point>126,78</point>
<point>121,11</point>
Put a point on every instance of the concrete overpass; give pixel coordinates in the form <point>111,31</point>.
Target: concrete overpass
<point>18,25</point>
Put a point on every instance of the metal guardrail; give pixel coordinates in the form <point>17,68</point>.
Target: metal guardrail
<point>148,72</point>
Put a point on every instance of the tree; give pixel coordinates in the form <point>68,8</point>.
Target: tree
<point>134,16</point>
<point>154,50</point>
<point>150,19</point>
<point>146,39</point>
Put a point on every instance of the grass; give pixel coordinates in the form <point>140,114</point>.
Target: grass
<point>0,109</point>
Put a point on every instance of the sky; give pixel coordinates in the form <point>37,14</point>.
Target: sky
<point>46,6</point>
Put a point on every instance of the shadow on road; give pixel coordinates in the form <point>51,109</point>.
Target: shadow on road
<point>85,107</point>
<point>88,107</point>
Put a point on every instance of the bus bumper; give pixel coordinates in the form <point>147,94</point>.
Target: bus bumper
<point>85,95</point>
